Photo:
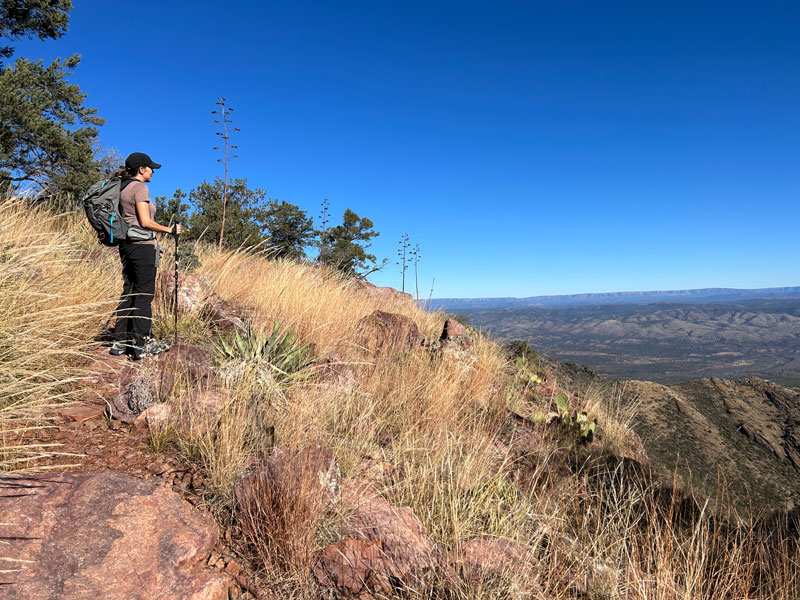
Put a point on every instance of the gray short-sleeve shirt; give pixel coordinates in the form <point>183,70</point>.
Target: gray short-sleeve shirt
<point>133,194</point>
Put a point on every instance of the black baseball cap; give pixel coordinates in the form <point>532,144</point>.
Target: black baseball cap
<point>140,159</point>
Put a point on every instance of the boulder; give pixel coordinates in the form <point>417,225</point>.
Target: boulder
<point>384,294</point>
<point>196,297</point>
<point>383,332</point>
<point>82,536</point>
<point>193,363</point>
<point>455,344</point>
<point>135,395</point>
<point>151,381</point>
<point>194,413</point>
<point>226,317</point>
<point>408,552</point>
<point>333,371</point>
<point>194,291</point>
<point>455,335</point>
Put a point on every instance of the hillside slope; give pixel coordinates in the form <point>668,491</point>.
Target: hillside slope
<point>746,430</point>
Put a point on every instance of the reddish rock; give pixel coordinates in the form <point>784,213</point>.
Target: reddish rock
<point>81,413</point>
<point>225,316</point>
<point>134,396</point>
<point>331,369</point>
<point>635,449</point>
<point>194,413</point>
<point>408,552</point>
<point>192,362</point>
<point>233,568</point>
<point>156,418</point>
<point>454,334</point>
<point>151,381</point>
<point>456,345</point>
<point>352,565</point>
<point>81,536</point>
<point>383,332</point>
<point>196,297</point>
<point>385,294</point>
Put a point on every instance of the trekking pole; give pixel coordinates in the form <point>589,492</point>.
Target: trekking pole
<point>176,287</point>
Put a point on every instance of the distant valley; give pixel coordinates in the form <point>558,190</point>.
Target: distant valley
<point>666,342</point>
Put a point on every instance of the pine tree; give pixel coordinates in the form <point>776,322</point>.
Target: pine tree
<point>289,229</point>
<point>45,19</point>
<point>46,133</point>
<point>344,246</point>
<point>245,217</point>
<point>174,210</point>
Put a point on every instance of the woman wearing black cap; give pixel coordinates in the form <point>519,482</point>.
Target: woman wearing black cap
<point>140,257</point>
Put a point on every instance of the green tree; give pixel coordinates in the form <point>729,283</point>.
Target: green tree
<point>32,18</point>
<point>344,246</point>
<point>245,217</point>
<point>47,135</point>
<point>172,210</point>
<point>289,229</point>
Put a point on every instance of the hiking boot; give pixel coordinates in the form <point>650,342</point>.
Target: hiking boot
<point>149,348</point>
<point>118,349</point>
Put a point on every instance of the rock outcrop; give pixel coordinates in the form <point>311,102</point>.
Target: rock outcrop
<point>83,536</point>
<point>144,386</point>
<point>481,558</point>
<point>383,332</point>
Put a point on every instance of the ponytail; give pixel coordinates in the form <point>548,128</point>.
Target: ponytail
<point>123,174</point>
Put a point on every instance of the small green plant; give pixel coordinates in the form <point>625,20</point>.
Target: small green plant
<point>575,422</point>
<point>274,356</point>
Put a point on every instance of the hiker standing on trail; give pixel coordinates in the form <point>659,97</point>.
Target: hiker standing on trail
<point>140,260</point>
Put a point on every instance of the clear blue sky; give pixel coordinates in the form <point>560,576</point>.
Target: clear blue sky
<point>528,147</point>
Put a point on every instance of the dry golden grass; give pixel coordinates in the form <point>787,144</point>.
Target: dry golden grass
<point>437,419</point>
<point>53,301</point>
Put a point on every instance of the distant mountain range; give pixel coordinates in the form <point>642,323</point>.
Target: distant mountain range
<point>702,296</point>
<point>667,342</point>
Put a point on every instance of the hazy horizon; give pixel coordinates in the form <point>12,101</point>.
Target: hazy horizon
<point>662,291</point>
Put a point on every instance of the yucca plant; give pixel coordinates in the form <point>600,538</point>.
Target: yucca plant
<point>275,356</point>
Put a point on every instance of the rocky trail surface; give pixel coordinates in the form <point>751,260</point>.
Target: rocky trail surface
<point>109,518</point>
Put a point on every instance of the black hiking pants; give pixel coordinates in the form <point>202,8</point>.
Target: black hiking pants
<point>135,312</point>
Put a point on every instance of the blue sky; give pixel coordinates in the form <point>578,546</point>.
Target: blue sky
<point>528,147</point>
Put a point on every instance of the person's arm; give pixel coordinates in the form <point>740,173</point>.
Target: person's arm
<point>143,214</point>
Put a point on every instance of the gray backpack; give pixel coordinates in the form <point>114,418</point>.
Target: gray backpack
<point>101,203</point>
